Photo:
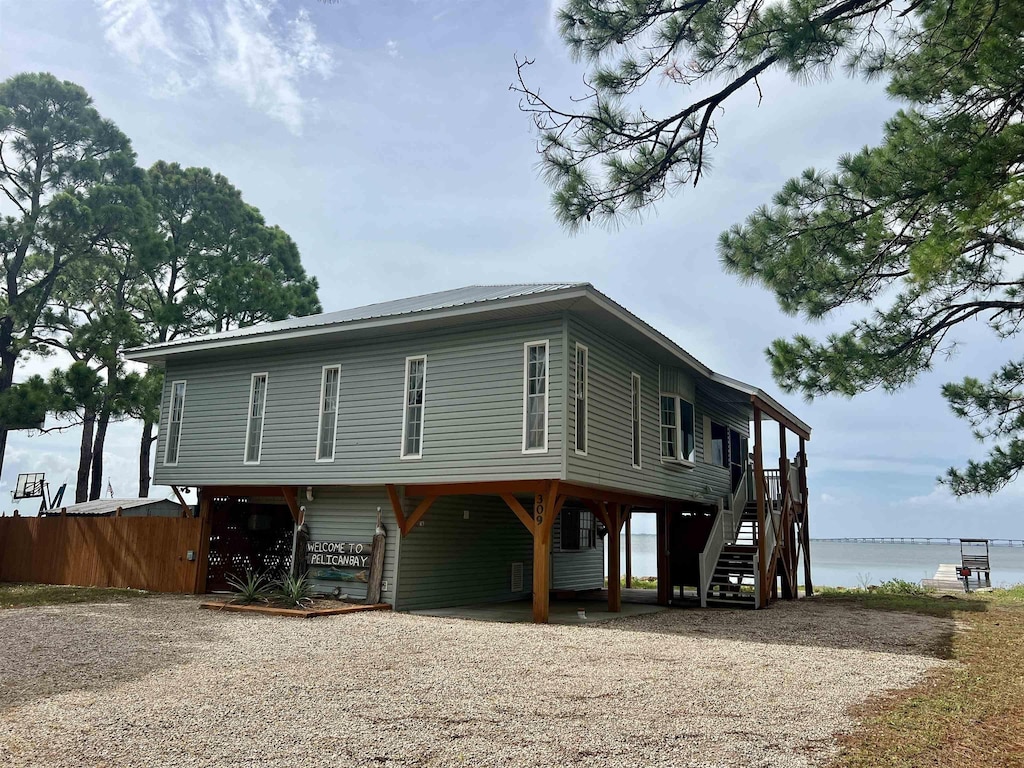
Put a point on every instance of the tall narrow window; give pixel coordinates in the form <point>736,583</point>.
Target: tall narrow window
<point>635,399</point>
<point>412,427</point>
<point>677,436</point>
<point>669,430</point>
<point>687,437</point>
<point>582,385</point>
<point>257,407</point>
<point>328,431</point>
<point>535,396</point>
<point>177,410</point>
<point>719,445</point>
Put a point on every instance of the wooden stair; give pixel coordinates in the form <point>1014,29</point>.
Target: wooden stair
<point>734,580</point>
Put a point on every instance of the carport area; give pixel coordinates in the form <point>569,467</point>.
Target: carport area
<point>538,505</point>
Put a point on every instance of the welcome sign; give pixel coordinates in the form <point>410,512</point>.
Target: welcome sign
<point>336,560</point>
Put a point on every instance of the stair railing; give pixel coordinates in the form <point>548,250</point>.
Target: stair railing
<point>774,533</point>
<point>712,551</point>
<point>738,502</point>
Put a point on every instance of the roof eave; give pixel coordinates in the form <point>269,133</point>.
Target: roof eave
<point>159,352</point>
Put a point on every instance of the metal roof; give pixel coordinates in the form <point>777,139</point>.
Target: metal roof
<point>457,297</point>
<point>109,506</point>
<point>449,305</point>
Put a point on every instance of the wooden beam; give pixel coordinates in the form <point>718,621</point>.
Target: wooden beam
<point>614,586</point>
<point>521,513</point>
<point>759,491</point>
<point>418,513</point>
<point>396,507</point>
<point>186,510</point>
<point>292,500</point>
<point>629,550</point>
<point>771,412</point>
<point>664,570</point>
<point>494,488</point>
<point>586,493</point>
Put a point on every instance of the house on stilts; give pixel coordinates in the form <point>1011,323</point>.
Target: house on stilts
<point>507,432</point>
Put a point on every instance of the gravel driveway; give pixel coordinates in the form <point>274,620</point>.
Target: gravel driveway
<point>156,682</point>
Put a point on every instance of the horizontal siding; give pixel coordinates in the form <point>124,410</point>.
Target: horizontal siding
<point>350,514</point>
<point>576,570</point>
<point>448,560</point>
<point>472,428</point>
<point>609,460</point>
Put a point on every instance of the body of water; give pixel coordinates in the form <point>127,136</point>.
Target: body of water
<point>853,564</point>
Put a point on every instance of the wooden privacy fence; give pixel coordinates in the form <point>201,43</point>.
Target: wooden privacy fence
<point>138,552</point>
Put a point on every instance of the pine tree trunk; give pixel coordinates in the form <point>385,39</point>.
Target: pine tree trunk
<point>85,456</point>
<point>7,360</point>
<point>145,454</point>
<point>97,453</point>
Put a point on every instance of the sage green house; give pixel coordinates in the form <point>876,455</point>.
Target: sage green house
<point>501,434</point>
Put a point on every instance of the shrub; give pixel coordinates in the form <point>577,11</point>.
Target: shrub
<point>252,588</point>
<point>293,592</point>
<point>900,587</point>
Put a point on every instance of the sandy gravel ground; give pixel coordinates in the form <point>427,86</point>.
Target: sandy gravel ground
<point>157,682</point>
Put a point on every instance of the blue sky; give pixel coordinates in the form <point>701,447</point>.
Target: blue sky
<point>383,138</point>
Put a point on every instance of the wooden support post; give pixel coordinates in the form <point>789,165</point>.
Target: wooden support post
<point>787,542</point>
<point>629,550</point>
<point>615,516</point>
<point>205,506</point>
<point>783,463</point>
<point>804,530</point>
<point>545,509</point>
<point>759,491</point>
<point>664,571</point>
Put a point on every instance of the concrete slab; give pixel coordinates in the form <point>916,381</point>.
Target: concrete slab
<point>561,612</point>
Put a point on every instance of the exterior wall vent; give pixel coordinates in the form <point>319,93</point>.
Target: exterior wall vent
<point>517,577</point>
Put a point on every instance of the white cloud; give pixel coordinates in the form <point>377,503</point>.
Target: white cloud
<point>391,49</point>
<point>248,47</point>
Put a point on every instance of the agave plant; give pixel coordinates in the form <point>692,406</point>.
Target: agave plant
<point>251,588</point>
<point>292,591</point>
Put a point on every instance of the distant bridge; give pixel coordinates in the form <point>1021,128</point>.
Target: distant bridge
<point>922,540</point>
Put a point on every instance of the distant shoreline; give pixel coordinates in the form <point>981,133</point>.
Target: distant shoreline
<point>923,540</point>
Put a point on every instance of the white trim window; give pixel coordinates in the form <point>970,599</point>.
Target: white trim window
<point>582,398</point>
<point>678,439</point>
<point>175,414</point>
<point>635,431</point>
<point>414,403</point>
<point>327,429</point>
<point>578,530</point>
<point>257,410</point>
<point>535,396</point>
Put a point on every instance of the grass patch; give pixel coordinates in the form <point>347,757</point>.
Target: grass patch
<point>943,606</point>
<point>967,715</point>
<point>28,595</point>
<point>639,582</point>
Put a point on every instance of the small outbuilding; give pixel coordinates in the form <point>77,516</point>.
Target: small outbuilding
<point>122,508</point>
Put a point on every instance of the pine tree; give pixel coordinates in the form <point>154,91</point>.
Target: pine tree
<point>925,230</point>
